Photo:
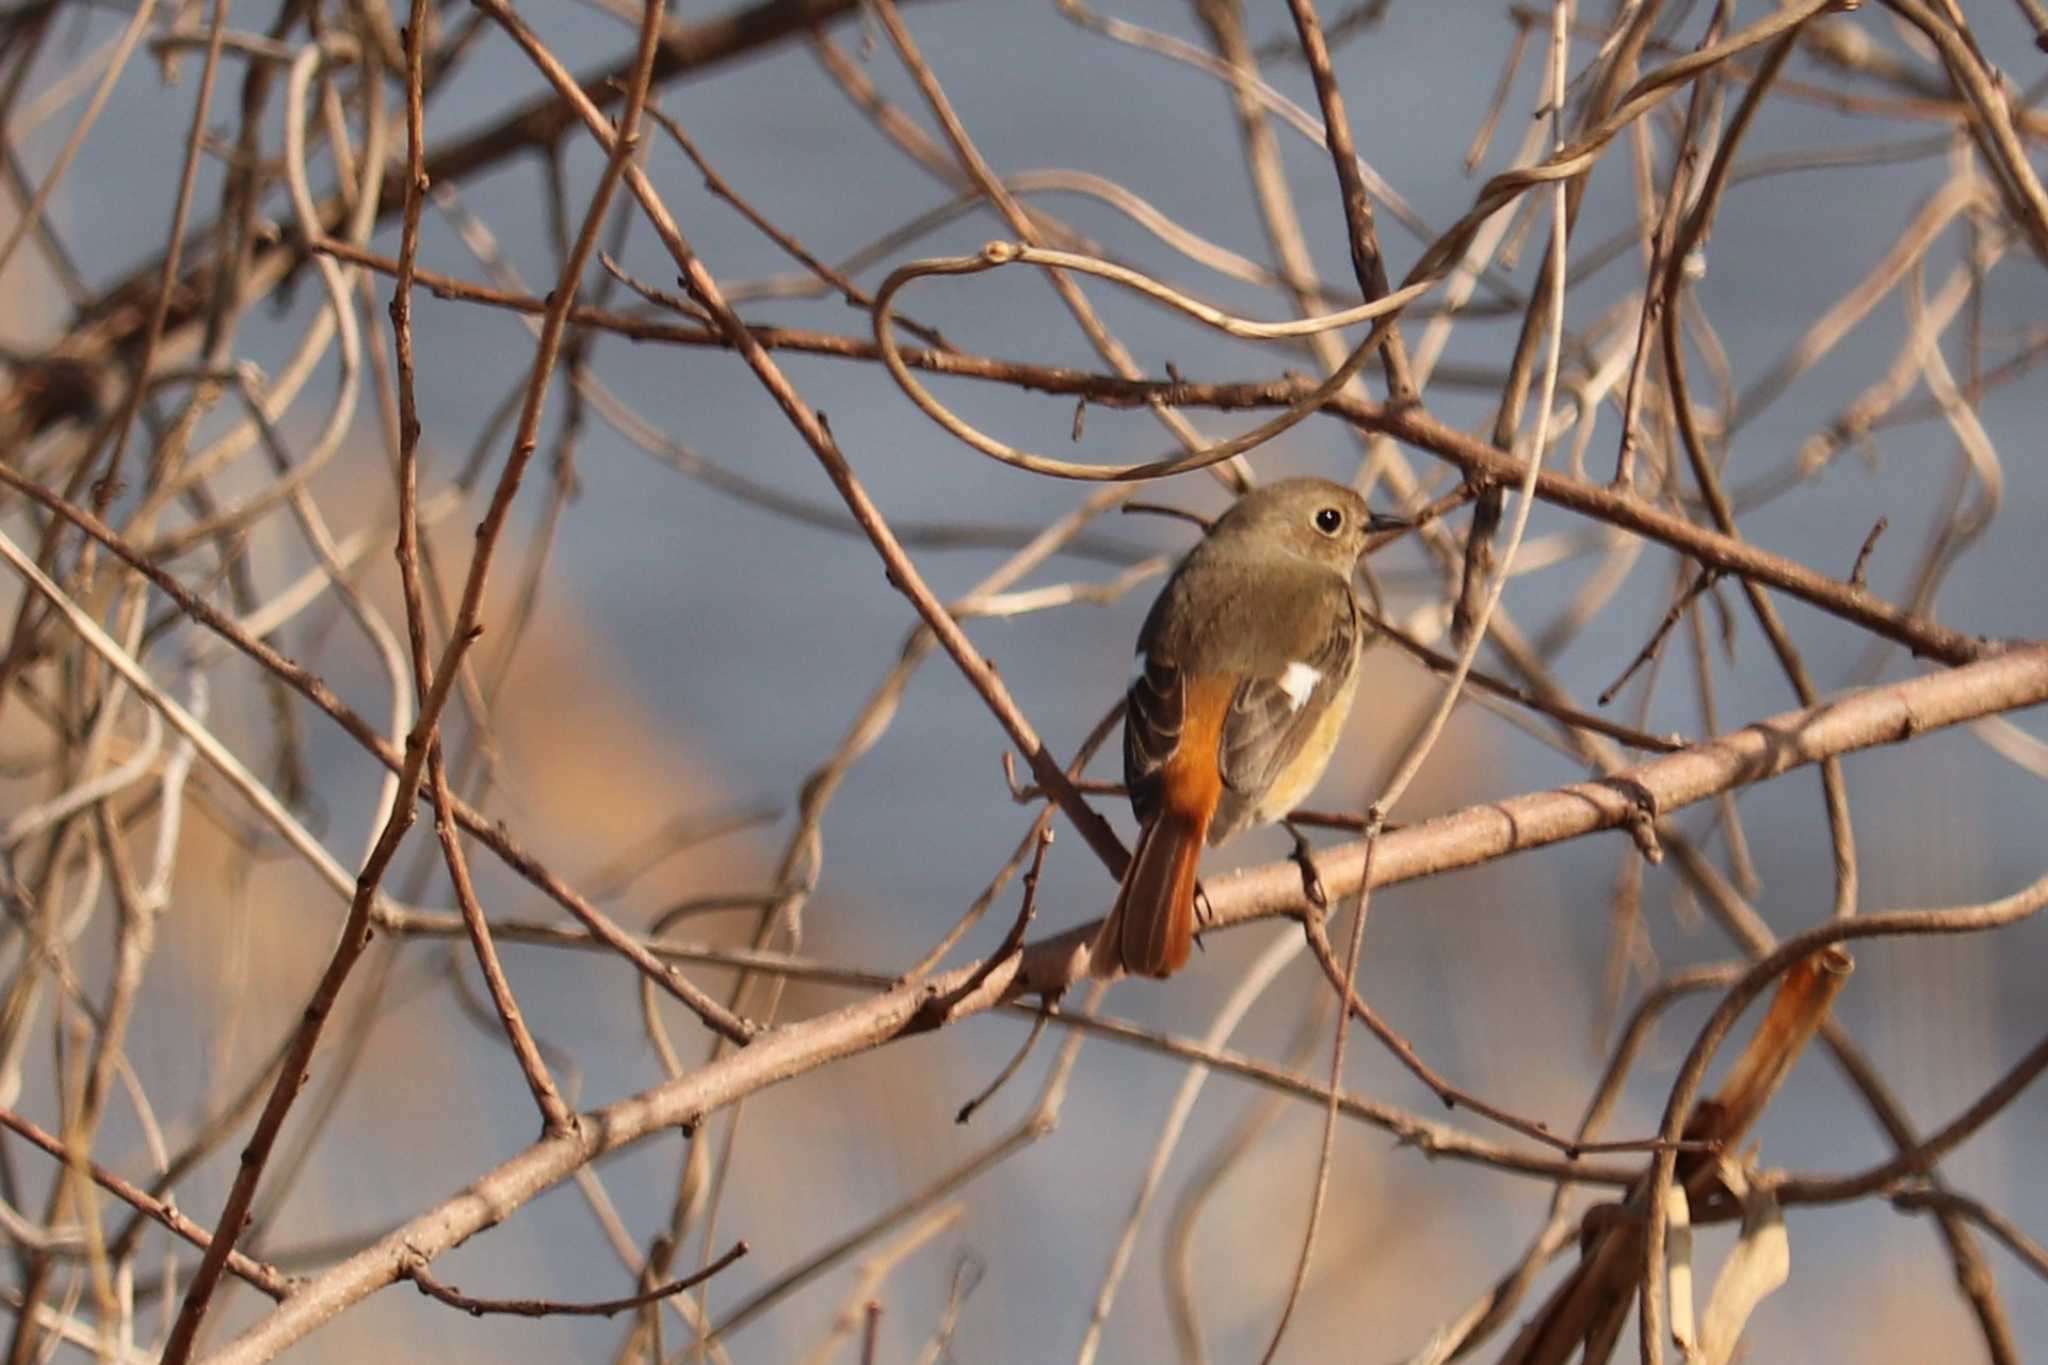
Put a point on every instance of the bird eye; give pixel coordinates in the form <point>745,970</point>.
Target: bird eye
<point>1330,521</point>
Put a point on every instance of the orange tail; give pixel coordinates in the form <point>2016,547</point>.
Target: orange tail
<point>1151,928</point>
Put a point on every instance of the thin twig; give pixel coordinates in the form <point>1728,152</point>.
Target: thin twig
<point>263,1277</point>
<point>1700,583</point>
<point>552,1308</point>
<point>1856,572</point>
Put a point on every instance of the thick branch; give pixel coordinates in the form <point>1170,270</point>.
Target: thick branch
<point>1475,835</point>
<point>1849,600</point>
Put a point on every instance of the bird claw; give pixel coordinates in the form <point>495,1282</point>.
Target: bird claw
<point>1311,880</point>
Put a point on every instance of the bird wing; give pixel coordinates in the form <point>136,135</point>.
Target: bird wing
<point>1155,713</point>
<point>1272,717</point>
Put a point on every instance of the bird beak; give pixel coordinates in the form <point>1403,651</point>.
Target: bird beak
<point>1376,522</point>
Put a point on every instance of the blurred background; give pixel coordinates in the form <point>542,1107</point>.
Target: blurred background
<point>682,627</point>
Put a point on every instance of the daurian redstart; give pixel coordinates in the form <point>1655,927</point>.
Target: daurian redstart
<point>1244,675</point>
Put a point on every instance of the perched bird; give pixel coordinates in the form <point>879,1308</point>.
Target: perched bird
<point>1243,677</point>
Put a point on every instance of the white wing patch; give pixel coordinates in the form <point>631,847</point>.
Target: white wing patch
<point>1298,682</point>
<point>1137,670</point>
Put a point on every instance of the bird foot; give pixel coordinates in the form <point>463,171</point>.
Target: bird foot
<point>1304,856</point>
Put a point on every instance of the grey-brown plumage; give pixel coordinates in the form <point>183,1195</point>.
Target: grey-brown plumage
<point>1245,672</point>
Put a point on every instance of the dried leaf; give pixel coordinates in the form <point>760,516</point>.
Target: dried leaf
<point>1760,1262</point>
<point>1678,1256</point>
